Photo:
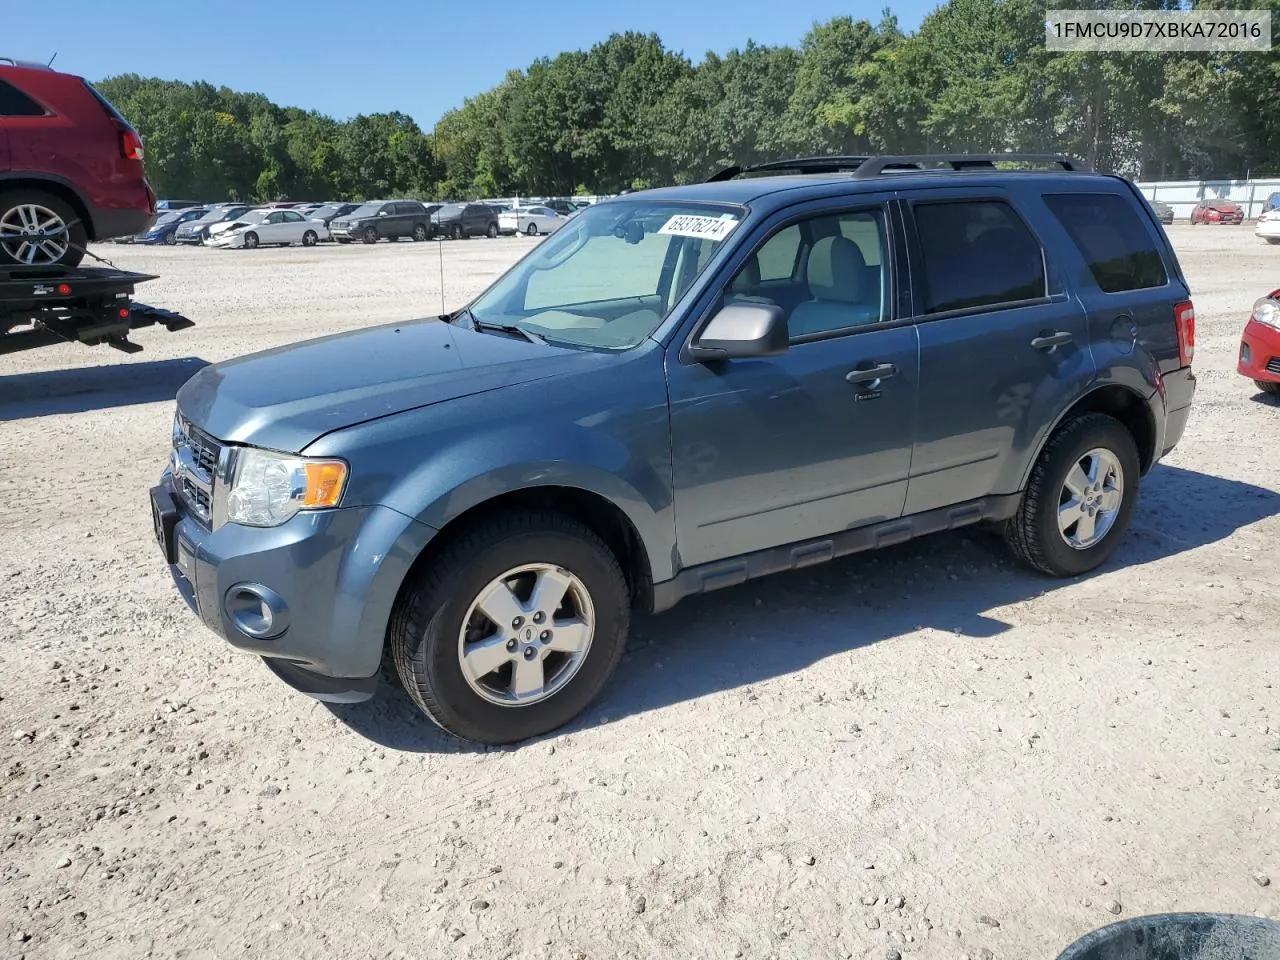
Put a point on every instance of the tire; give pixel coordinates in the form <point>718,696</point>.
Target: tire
<point>310,238</point>
<point>251,240</point>
<point>492,232</point>
<point>419,232</point>
<point>531,230</point>
<point>457,233</point>
<point>370,235</point>
<point>426,629</point>
<point>16,209</point>
<point>170,239</point>
<point>1034,535</point>
<point>1272,239</point>
<point>1268,386</point>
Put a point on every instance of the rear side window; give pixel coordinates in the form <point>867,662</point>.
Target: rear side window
<point>977,253</point>
<point>15,103</point>
<point>1120,252</point>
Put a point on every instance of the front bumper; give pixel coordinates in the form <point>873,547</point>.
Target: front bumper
<point>228,240</point>
<point>312,596</point>
<point>344,232</point>
<point>1267,228</point>
<point>1259,357</point>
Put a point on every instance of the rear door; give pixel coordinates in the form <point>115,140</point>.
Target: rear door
<point>18,113</point>
<point>1004,346</point>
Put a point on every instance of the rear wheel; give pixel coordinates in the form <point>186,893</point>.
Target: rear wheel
<point>531,230</point>
<point>309,239</point>
<point>39,229</point>
<point>251,240</point>
<point>492,232</point>
<point>1080,497</point>
<point>1268,386</point>
<point>370,235</point>
<point>514,629</point>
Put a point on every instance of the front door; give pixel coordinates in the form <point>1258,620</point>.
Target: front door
<point>1004,347</point>
<point>817,440</point>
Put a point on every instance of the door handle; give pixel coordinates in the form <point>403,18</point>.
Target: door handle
<point>1047,342</point>
<point>869,374</point>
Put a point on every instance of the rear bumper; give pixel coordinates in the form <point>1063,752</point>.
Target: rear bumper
<point>1179,390</point>
<point>110,222</point>
<point>1259,357</point>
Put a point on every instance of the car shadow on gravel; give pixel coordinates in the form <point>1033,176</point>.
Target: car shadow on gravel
<point>25,396</point>
<point>1266,399</point>
<point>785,623</point>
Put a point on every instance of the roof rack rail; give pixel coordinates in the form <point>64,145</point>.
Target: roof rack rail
<point>26,64</point>
<point>795,165</point>
<point>958,162</point>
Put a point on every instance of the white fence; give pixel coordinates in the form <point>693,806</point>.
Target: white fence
<point>1182,195</point>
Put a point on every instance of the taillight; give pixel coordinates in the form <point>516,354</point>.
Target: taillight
<point>1184,316</point>
<point>131,144</point>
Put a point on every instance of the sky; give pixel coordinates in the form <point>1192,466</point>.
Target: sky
<point>422,57</point>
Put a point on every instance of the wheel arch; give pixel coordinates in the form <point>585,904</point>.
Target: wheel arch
<point>56,186</point>
<point>1120,402</point>
<point>594,510</point>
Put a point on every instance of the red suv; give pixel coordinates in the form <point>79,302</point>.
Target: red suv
<point>70,168</point>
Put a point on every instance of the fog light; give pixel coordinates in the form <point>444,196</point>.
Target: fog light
<point>256,611</point>
<point>1246,355</point>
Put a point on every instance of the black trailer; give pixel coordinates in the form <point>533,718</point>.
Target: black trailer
<point>90,305</point>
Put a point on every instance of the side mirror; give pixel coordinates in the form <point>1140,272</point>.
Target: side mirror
<point>743,330</point>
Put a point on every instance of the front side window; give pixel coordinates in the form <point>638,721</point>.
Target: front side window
<point>1120,252</point>
<point>977,253</point>
<point>611,275</point>
<point>829,273</point>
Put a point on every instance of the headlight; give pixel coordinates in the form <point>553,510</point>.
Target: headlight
<point>1267,311</point>
<point>267,489</point>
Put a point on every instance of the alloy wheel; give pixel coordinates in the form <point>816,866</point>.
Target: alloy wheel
<point>33,234</point>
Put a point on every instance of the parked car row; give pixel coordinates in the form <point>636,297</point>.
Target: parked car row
<point>242,225</point>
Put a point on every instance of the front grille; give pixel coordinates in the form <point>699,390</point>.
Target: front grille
<point>1273,365</point>
<point>195,467</point>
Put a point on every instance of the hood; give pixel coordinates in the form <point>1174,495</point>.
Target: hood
<point>1225,206</point>
<point>286,398</point>
<point>224,226</point>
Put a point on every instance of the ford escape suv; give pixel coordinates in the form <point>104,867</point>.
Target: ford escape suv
<point>680,390</point>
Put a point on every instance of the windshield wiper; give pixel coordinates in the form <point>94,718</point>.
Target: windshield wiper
<point>506,328</point>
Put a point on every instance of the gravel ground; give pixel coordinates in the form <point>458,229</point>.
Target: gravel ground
<point>925,751</point>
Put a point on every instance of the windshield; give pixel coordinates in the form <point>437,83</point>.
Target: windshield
<point>611,275</point>
<point>254,216</point>
<point>449,210</point>
<point>365,210</point>
<point>327,210</point>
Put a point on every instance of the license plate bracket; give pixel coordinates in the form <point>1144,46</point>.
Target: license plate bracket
<point>164,520</point>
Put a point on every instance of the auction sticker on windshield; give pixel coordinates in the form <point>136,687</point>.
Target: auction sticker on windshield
<point>707,228</point>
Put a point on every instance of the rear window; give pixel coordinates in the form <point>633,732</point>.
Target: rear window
<point>1120,251</point>
<point>15,103</point>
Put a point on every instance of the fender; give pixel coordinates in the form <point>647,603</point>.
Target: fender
<point>435,464</point>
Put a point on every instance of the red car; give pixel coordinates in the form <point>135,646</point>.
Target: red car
<point>70,168</point>
<point>1260,344</point>
<point>1217,211</point>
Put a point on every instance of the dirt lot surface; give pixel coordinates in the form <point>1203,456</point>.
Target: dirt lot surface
<point>925,751</point>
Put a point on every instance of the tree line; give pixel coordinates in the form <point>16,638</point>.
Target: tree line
<point>975,77</point>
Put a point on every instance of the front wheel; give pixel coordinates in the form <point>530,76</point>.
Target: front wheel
<point>251,240</point>
<point>1080,497</point>
<point>370,235</point>
<point>514,629</point>
<point>170,239</point>
<point>1268,386</point>
<point>531,230</point>
<point>1272,239</point>
<point>419,232</point>
<point>310,239</point>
